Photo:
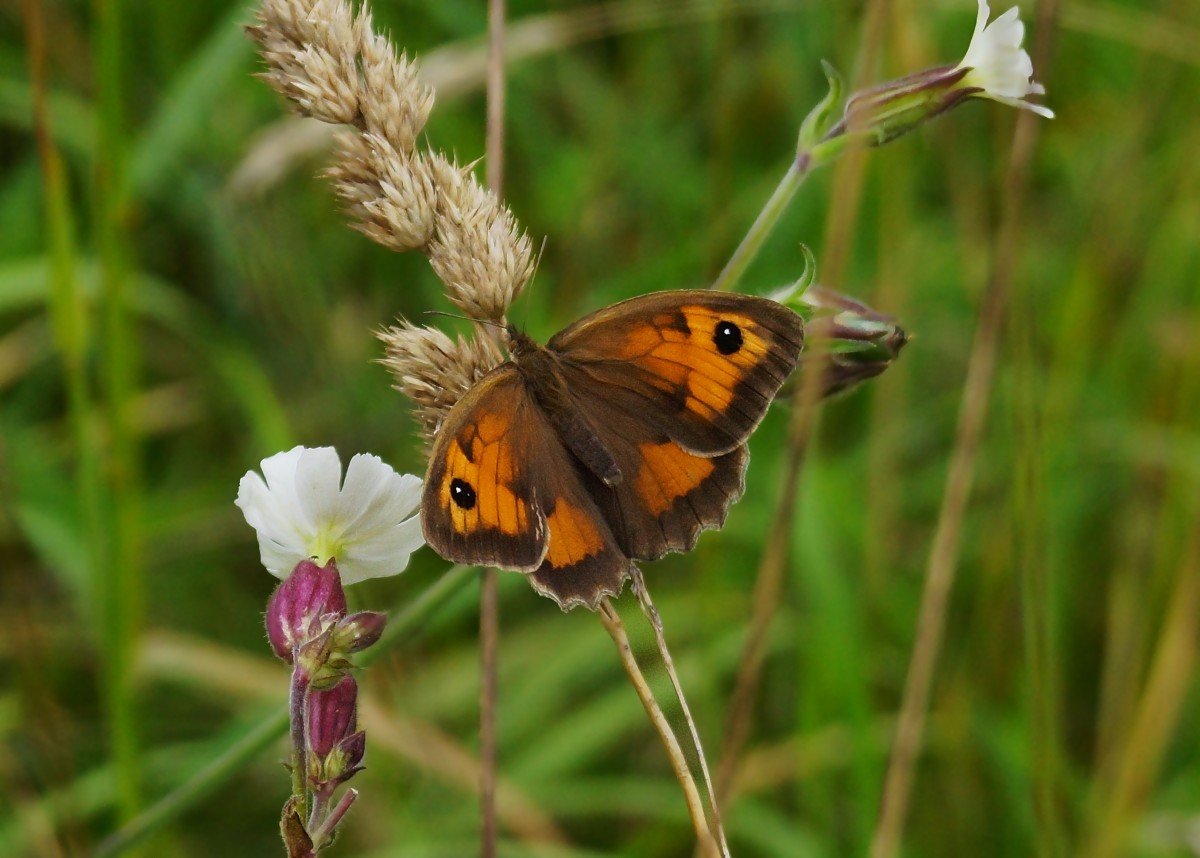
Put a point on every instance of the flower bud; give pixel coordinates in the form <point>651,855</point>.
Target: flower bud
<point>358,631</point>
<point>313,660</point>
<point>335,747</point>
<point>304,606</point>
<point>883,113</point>
<point>853,341</point>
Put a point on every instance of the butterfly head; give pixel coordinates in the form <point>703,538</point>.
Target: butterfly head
<point>519,343</point>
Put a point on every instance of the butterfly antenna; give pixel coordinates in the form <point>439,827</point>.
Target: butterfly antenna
<point>638,586</point>
<point>464,318</point>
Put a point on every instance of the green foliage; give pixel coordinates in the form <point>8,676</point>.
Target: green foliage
<point>642,154</point>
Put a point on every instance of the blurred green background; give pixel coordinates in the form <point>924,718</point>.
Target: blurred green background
<point>180,297</point>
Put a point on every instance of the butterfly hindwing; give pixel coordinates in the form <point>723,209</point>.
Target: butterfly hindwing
<point>667,495</point>
<point>699,366</point>
<point>584,561</point>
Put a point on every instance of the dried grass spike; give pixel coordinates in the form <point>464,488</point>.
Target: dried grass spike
<point>478,250</point>
<point>395,103</point>
<point>434,370</point>
<point>310,51</point>
<point>391,196</point>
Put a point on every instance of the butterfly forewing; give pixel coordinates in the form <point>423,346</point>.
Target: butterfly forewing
<point>478,504</point>
<point>699,366</point>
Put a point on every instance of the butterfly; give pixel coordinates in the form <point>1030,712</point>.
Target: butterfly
<point>619,440</point>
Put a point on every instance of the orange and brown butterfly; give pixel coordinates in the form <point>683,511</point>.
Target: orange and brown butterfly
<point>620,440</point>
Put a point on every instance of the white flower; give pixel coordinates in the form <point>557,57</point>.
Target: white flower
<point>304,510</point>
<point>998,65</point>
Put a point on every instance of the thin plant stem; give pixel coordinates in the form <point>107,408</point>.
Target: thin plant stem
<point>68,308</point>
<point>489,635</point>
<point>297,693</point>
<point>695,804</point>
<point>319,801</point>
<point>1158,713</point>
<point>489,595</point>
<point>123,591</point>
<point>335,816</point>
<point>944,553</point>
<point>1029,505</point>
<point>764,224</point>
<point>1034,556</point>
<point>1124,783</point>
<point>768,585</point>
<point>655,619</point>
<point>401,628</point>
<point>939,576</point>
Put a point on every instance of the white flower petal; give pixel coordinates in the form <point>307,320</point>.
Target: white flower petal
<point>280,473</point>
<point>318,484</point>
<point>278,559</point>
<point>386,554</point>
<point>265,514</point>
<point>399,499</point>
<point>365,491</point>
<point>1039,109</point>
<point>365,474</point>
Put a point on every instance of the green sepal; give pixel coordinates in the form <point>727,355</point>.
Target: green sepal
<point>822,117</point>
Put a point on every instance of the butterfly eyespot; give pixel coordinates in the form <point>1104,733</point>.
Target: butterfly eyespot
<point>462,493</point>
<point>727,337</point>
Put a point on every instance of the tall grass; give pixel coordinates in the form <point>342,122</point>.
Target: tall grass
<point>162,328</point>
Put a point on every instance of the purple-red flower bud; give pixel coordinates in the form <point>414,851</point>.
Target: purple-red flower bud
<point>335,746</point>
<point>304,606</point>
<point>358,631</point>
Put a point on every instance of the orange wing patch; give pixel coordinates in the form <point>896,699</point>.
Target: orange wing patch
<point>679,348</point>
<point>480,458</point>
<point>666,473</point>
<point>572,534</point>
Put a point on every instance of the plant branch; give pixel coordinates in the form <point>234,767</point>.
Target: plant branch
<point>764,224</point>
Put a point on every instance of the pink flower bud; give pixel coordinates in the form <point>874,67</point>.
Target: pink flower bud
<point>335,747</point>
<point>332,715</point>
<point>352,749</point>
<point>358,631</point>
<point>304,606</point>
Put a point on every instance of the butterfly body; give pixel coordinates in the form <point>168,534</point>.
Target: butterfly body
<point>541,369</point>
<point>621,439</point>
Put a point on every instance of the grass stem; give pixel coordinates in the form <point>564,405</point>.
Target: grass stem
<point>705,842</point>
<point>489,594</point>
<point>123,577</point>
<point>651,613</point>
